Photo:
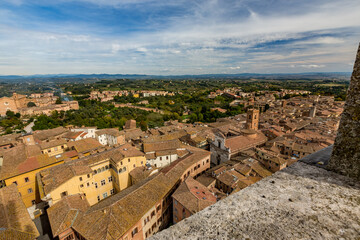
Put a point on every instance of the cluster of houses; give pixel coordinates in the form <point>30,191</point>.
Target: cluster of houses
<point>105,96</point>
<point>35,104</point>
<point>129,184</point>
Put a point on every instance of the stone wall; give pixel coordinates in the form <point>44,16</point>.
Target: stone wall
<point>346,154</point>
<point>299,202</point>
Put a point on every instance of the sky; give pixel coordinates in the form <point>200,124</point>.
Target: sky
<point>175,37</point>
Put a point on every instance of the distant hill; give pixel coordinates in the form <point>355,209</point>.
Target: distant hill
<point>96,77</point>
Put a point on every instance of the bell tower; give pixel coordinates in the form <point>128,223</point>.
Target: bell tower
<point>252,119</point>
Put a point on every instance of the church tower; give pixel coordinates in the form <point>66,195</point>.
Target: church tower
<point>252,119</point>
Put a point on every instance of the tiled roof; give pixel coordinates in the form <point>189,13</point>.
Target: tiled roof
<point>63,214</point>
<point>244,142</point>
<point>15,221</point>
<point>50,144</point>
<point>109,131</point>
<point>193,195</point>
<point>161,146</point>
<point>16,161</point>
<point>46,134</point>
<point>84,145</point>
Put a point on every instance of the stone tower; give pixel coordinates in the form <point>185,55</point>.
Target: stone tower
<point>252,119</point>
<point>345,157</point>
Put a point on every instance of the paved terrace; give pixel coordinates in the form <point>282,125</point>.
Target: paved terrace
<point>302,201</point>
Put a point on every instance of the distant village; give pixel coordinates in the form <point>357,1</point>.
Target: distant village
<point>35,104</point>
<point>130,184</point>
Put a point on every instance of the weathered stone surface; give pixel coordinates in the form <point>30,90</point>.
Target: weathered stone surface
<point>299,202</point>
<point>346,154</point>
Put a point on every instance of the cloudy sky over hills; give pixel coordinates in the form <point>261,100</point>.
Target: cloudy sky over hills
<point>177,36</point>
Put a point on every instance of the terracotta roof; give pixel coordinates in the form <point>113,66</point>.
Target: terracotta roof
<point>73,135</point>
<point>259,169</point>
<point>161,146</point>
<point>16,161</point>
<point>244,142</point>
<point>63,214</point>
<point>84,145</point>
<point>230,178</point>
<point>205,180</point>
<point>109,131</point>
<point>15,221</point>
<point>46,134</point>
<point>193,195</point>
<point>50,144</point>
<point>9,138</point>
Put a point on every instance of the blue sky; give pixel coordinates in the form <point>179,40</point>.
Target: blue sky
<point>177,36</point>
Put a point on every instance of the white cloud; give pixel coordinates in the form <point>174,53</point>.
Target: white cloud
<point>203,40</point>
<point>234,68</point>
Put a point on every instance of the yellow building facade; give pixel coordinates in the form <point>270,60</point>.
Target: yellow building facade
<point>97,177</point>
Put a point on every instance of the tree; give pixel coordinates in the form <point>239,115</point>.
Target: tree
<point>143,126</point>
<point>31,104</point>
<point>10,114</point>
<point>58,101</point>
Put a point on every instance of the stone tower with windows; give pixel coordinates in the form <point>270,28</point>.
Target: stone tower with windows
<point>252,119</point>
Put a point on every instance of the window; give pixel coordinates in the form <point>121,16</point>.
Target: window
<point>107,167</point>
<point>105,195</point>
<point>55,149</point>
<point>80,178</point>
<point>134,232</point>
<point>103,182</point>
<point>134,165</point>
<point>110,179</point>
<point>63,194</point>
<point>88,175</point>
<point>15,183</point>
<point>49,150</point>
<point>160,158</point>
<point>6,103</point>
<point>128,159</point>
<point>88,184</point>
<point>98,197</point>
<point>103,169</point>
<point>70,237</point>
<point>153,226</point>
<point>124,169</point>
<point>152,214</point>
<point>112,191</point>
<point>62,146</point>
<point>30,190</point>
<point>120,170</point>
<point>167,157</point>
<point>81,185</point>
<point>96,186</point>
<point>95,172</point>
<point>33,202</point>
<point>121,163</point>
<point>175,202</point>
<point>158,208</point>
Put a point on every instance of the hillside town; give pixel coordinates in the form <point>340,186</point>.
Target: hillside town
<point>93,183</point>
<point>35,104</point>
